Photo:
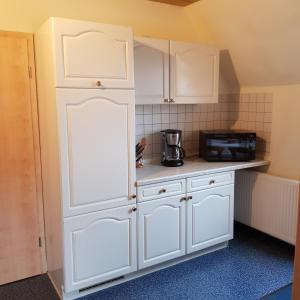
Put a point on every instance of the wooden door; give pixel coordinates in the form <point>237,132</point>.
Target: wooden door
<point>161,231</point>
<point>99,246</point>
<point>194,72</point>
<point>296,282</point>
<point>21,217</point>
<point>96,131</point>
<point>151,70</point>
<point>209,217</point>
<point>88,53</point>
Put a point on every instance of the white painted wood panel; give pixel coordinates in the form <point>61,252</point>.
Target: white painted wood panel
<point>209,181</point>
<point>194,71</point>
<point>209,217</point>
<point>88,52</point>
<point>96,131</point>
<point>99,246</point>
<point>160,190</point>
<point>151,70</point>
<point>161,230</point>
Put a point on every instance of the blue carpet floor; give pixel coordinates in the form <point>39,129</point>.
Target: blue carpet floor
<point>254,265</point>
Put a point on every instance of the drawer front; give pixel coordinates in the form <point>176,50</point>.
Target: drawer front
<point>161,190</point>
<point>209,181</point>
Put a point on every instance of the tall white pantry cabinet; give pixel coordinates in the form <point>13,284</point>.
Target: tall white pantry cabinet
<point>86,108</point>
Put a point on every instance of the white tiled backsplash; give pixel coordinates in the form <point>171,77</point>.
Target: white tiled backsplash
<point>246,111</point>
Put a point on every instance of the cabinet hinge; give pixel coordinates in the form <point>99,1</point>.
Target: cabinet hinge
<point>40,242</point>
<point>30,72</point>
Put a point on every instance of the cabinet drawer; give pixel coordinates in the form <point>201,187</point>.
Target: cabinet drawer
<point>209,181</point>
<point>160,190</point>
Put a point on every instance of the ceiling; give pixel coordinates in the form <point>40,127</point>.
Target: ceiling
<point>262,37</point>
<point>177,2</point>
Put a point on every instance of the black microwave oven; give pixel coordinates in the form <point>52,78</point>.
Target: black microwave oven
<point>227,145</point>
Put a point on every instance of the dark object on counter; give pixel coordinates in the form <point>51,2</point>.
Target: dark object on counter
<point>139,152</point>
<point>227,145</point>
<point>172,154</point>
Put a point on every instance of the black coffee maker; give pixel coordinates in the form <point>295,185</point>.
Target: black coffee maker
<point>172,154</point>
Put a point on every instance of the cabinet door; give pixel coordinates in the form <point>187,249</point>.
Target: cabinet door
<point>89,52</point>
<point>194,73</point>
<point>161,230</point>
<point>99,247</point>
<point>209,217</point>
<point>151,70</point>
<point>96,131</point>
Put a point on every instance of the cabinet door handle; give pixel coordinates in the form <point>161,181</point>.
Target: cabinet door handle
<point>212,182</point>
<point>162,191</point>
<point>172,100</point>
<point>183,199</point>
<point>189,197</point>
<point>98,83</point>
<point>132,210</point>
<point>166,100</point>
<point>132,196</point>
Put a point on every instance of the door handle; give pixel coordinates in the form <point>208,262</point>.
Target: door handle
<point>162,191</point>
<point>131,210</point>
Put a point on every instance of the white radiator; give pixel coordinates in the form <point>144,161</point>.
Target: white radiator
<point>267,203</point>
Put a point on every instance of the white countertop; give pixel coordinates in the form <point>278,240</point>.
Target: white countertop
<point>154,172</point>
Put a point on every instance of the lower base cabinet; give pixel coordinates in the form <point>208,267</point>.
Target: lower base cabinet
<point>161,230</point>
<point>209,217</point>
<point>99,246</point>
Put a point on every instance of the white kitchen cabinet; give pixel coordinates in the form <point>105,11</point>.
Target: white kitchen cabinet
<point>194,73</point>
<point>151,69</point>
<point>96,149</point>
<point>87,151</point>
<point>99,246</point>
<point>175,72</point>
<point>92,55</point>
<point>161,230</point>
<point>209,217</point>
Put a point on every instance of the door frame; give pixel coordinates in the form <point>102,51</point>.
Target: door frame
<point>36,138</point>
<point>296,279</point>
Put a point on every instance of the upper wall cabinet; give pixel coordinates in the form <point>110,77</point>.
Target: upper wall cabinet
<point>175,72</point>
<point>194,73</point>
<point>151,68</point>
<point>92,55</point>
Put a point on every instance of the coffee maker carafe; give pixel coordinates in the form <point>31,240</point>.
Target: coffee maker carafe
<point>172,153</point>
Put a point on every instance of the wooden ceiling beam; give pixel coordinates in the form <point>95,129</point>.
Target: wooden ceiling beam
<point>176,2</point>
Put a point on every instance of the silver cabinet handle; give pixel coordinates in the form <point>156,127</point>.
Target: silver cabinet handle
<point>162,191</point>
<point>132,210</point>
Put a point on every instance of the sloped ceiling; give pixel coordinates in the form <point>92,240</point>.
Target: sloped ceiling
<point>262,37</point>
<point>176,2</point>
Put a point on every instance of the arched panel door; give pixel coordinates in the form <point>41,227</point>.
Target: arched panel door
<point>88,53</point>
<point>151,70</point>
<point>194,72</point>
<point>161,226</point>
<point>99,246</point>
<point>209,217</point>
<point>96,131</point>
